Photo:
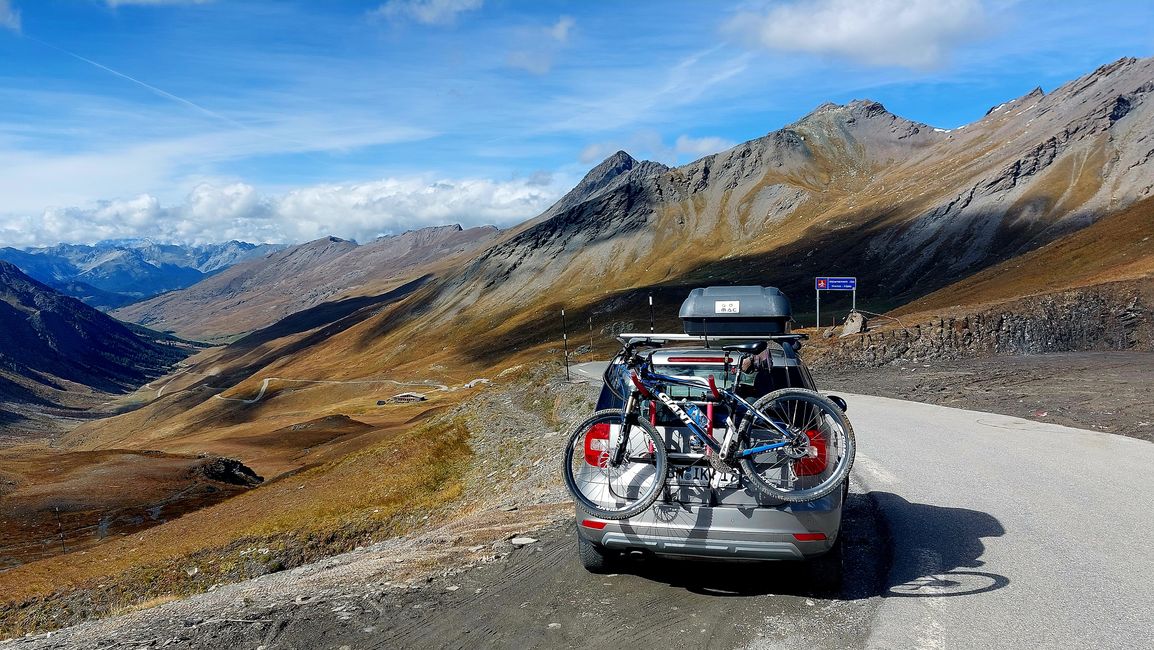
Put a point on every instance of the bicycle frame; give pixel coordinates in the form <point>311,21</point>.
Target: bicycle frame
<point>647,380</point>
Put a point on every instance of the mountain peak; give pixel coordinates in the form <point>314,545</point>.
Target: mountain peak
<point>620,158</point>
<point>611,167</point>
<point>866,108</point>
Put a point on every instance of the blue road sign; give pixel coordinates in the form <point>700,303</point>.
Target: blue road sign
<point>835,284</point>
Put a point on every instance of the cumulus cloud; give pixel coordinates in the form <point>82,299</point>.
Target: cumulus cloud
<point>905,33</point>
<point>427,12</point>
<point>361,211</point>
<point>9,16</point>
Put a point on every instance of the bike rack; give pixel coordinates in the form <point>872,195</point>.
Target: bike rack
<point>640,337</point>
<point>682,459</point>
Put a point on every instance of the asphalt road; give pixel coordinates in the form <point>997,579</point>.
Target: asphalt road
<point>964,530</point>
<point>1007,532</point>
<point>1002,531</point>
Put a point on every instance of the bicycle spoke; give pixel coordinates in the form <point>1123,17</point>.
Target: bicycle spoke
<point>606,490</point>
<point>806,468</point>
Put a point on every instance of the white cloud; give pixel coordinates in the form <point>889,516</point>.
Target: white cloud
<point>98,148</point>
<point>427,12</point>
<point>904,33</point>
<point>595,152</point>
<point>648,144</point>
<point>9,17</point>
<point>701,146</point>
<point>540,46</point>
<point>560,30</point>
<point>361,211</point>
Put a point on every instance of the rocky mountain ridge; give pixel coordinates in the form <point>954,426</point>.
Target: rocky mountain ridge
<point>850,190</point>
<point>52,344</point>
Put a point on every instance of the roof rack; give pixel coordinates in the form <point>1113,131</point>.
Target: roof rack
<point>639,337</point>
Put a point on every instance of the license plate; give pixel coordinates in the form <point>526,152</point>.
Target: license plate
<point>696,476</point>
<point>727,307</point>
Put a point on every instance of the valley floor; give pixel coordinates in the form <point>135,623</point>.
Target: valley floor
<point>1104,391</point>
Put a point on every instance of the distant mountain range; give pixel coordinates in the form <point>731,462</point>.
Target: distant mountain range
<point>257,293</point>
<point>115,273</point>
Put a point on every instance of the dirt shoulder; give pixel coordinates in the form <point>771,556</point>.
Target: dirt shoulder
<point>1104,391</point>
<point>449,588</point>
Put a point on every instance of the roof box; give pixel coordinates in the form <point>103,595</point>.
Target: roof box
<point>736,311</point>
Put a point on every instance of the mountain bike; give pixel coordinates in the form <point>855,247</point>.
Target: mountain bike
<point>793,444</point>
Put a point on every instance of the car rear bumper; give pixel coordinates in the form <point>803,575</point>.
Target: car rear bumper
<point>788,532</point>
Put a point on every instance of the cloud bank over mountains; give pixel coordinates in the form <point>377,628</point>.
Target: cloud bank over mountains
<point>360,211</point>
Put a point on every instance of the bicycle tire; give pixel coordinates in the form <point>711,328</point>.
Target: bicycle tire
<point>829,448</point>
<point>614,492</point>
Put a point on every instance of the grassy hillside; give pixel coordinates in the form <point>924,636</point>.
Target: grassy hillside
<point>1117,247</point>
<point>331,507</point>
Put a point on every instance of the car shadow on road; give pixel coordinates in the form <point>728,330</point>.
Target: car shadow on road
<point>936,551</point>
<point>889,547</point>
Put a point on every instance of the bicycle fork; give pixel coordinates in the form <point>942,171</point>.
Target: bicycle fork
<point>618,454</point>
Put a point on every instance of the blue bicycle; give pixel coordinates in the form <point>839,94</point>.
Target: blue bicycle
<point>791,445</point>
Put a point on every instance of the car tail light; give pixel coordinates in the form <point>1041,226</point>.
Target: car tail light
<point>594,524</point>
<point>814,463</point>
<point>809,537</point>
<point>597,444</point>
<point>696,360</point>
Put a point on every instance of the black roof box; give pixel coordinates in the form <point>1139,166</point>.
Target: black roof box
<point>736,311</point>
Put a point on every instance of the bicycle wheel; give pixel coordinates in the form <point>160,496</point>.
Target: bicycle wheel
<point>613,491</point>
<point>819,447</point>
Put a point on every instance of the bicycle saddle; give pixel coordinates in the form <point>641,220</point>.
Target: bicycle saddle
<point>753,347</point>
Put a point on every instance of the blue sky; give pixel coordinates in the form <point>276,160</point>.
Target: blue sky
<point>187,120</point>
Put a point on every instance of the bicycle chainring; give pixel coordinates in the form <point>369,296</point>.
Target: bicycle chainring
<point>718,465</point>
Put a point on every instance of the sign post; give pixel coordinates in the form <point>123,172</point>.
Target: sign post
<point>833,284</point>
<point>565,337</point>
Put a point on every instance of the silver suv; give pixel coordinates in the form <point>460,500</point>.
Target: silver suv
<point>703,513</point>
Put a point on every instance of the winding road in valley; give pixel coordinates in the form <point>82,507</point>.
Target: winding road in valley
<point>265,382</point>
<point>963,530</point>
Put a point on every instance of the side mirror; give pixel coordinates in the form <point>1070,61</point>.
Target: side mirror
<point>839,401</point>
